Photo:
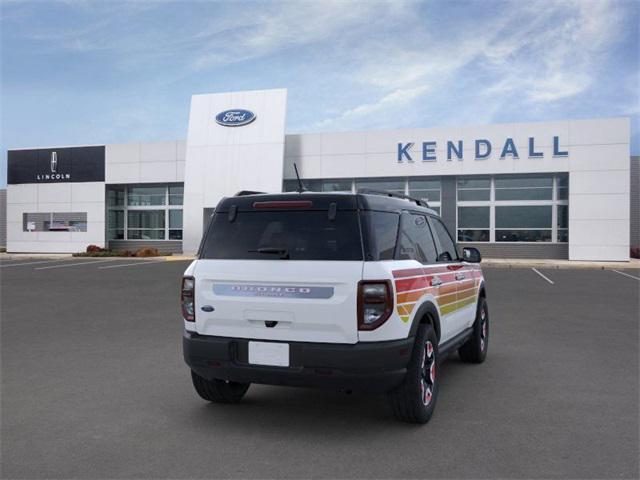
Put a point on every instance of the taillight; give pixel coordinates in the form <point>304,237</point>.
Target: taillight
<point>187,299</point>
<point>375,303</point>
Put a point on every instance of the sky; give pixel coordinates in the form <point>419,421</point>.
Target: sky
<point>80,72</point>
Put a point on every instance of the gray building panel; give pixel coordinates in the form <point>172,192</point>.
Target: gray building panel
<point>635,201</point>
<point>556,251</point>
<point>3,217</point>
<point>448,204</point>
<point>163,246</point>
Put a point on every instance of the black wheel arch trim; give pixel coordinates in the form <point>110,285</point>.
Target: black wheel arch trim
<point>482,291</point>
<point>428,308</point>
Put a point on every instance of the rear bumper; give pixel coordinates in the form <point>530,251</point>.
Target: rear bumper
<point>374,366</point>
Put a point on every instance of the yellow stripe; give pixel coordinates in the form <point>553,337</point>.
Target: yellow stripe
<point>452,307</point>
<point>404,319</point>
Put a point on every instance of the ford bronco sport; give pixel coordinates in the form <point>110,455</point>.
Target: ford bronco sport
<point>343,290</point>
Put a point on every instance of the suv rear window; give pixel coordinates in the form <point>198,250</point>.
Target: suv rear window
<point>274,235</point>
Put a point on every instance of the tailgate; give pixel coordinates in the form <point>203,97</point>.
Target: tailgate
<point>306,301</point>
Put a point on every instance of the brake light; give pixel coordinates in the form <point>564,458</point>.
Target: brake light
<point>284,204</point>
<point>187,299</point>
<point>375,303</point>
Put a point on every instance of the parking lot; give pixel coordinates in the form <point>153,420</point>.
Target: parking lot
<point>94,386</point>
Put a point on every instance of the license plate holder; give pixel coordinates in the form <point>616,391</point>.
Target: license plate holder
<point>269,353</point>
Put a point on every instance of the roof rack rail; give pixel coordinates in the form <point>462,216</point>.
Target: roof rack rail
<point>243,193</point>
<point>421,203</point>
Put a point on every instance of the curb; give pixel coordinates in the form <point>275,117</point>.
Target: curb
<point>563,266</point>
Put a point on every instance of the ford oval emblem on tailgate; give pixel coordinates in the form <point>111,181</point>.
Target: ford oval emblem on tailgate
<point>235,118</point>
<point>282,291</point>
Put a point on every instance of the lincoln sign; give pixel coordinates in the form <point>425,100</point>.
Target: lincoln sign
<point>482,150</point>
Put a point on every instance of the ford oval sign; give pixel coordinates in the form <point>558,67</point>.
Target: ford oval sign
<point>235,118</point>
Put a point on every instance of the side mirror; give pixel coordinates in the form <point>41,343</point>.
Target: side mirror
<point>471,255</point>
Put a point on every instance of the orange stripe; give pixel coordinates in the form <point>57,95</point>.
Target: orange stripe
<point>411,296</point>
<point>447,288</point>
<point>446,299</point>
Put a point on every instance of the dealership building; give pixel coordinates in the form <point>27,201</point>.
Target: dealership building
<point>561,190</point>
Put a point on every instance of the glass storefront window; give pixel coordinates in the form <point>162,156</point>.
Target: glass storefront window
<point>525,216</point>
<point>563,223</point>
<point>115,225</point>
<point>115,197</point>
<point>146,196</point>
<point>474,189</point>
<point>175,219</point>
<point>145,234</point>
<point>425,189</point>
<point>336,185</point>
<point>563,187</point>
<point>145,224</point>
<point>523,235</point>
<point>145,212</point>
<point>54,222</point>
<point>523,188</point>
<point>388,184</point>
<point>474,224</point>
<point>526,223</point>
<point>176,194</point>
<point>145,219</point>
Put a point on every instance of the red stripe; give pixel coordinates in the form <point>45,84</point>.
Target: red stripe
<point>409,272</point>
<point>411,284</point>
<point>431,270</point>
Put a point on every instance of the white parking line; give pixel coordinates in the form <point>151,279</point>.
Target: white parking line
<point>141,262</point>
<point>32,263</point>
<point>74,264</point>
<point>626,275</point>
<point>546,278</point>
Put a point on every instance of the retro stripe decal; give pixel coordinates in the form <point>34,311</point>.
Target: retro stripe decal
<point>411,284</point>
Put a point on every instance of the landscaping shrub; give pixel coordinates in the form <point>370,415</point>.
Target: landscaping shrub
<point>95,251</point>
<point>147,252</point>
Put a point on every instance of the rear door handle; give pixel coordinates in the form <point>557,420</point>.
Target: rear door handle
<point>435,282</point>
<point>460,276</point>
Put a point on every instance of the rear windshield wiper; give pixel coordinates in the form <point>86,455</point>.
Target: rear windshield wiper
<point>283,252</point>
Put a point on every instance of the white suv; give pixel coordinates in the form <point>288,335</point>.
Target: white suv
<point>348,291</point>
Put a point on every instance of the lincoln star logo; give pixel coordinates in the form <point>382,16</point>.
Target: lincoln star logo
<point>235,118</point>
<point>54,175</point>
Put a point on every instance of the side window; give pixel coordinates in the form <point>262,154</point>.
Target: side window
<point>447,251</point>
<point>415,240</point>
<point>381,231</point>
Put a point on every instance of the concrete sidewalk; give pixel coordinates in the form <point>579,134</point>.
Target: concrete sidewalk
<point>634,263</point>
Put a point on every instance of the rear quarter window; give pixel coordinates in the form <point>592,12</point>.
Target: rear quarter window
<point>302,234</point>
<point>381,233</point>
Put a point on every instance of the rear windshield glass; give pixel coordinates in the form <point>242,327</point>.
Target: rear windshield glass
<point>284,235</point>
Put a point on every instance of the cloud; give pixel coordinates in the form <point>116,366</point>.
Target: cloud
<point>286,25</point>
<point>540,52</point>
<point>391,101</point>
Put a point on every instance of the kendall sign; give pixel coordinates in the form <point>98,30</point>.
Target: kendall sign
<point>482,150</point>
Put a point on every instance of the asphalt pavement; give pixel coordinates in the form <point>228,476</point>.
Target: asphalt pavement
<point>94,386</point>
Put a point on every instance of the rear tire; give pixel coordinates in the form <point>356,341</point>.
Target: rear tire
<point>475,349</point>
<point>414,400</point>
<point>219,391</point>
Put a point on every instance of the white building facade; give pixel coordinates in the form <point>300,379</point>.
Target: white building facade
<point>520,190</point>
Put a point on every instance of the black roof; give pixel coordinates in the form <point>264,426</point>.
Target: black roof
<point>380,201</point>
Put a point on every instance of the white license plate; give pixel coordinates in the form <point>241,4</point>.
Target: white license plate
<point>269,353</point>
